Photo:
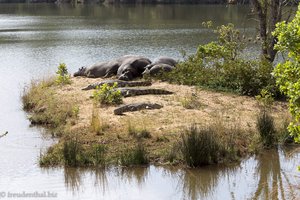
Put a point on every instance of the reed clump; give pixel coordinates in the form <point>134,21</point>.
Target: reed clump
<point>199,146</point>
<point>134,156</point>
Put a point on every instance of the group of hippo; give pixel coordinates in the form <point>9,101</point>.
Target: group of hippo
<point>127,67</point>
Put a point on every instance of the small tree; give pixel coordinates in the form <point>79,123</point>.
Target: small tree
<point>63,77</point>
<point>269,13</point>
<point>288,73</point>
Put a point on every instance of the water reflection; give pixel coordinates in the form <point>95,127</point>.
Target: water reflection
<point>138,175</point>
<point>270,175</point>
<point>101,180</point>
<point>73,178</point>
<point>201,183</point>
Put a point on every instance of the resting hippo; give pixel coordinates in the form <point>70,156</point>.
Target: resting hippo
<point>132,67</point>
<point>162,63</point>
<point>157,68</point>
<point>101,69</point>
<point>163,60</point>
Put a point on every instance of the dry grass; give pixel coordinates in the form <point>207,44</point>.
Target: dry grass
<point>165,124</point>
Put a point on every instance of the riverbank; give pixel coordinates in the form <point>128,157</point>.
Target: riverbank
<point>97,136</point>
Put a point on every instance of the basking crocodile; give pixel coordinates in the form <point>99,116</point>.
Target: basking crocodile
<point>136,107</point>
<point>128,92</point>
<point>119,82</point>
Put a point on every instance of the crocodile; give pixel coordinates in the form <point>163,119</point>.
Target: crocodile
<point>136,107</point>
<point>128,92</point>
<point>119,82</point>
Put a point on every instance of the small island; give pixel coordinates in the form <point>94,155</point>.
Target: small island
<point>91,134</point>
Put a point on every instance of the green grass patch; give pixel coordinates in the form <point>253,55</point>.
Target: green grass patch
<point>72,153</point>
<point>45,106</point>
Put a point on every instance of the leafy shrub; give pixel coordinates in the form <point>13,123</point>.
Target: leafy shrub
<point>219,65</point>
<point>287,73</point>
<point>265,99</point>
<point>108,94</point>
<point>199,146</point>
<point>63,77</point>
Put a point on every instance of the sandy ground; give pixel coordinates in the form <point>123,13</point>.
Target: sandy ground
<point>214,107</point>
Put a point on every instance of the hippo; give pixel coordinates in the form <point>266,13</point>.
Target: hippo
<point>101,69</point>
<point>163,60</point>
<point>132,67</point>
<point>106,69</point>
<point>162,63</point>
<point>157,68</point>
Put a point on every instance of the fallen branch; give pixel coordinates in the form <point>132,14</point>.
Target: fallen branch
<point>4,134</point>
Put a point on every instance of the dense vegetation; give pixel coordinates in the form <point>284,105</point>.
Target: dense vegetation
<point>288,73</point>
<point>220,65</point>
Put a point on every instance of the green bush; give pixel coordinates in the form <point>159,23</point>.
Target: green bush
<point>63,77</point>
<point>108,95</point>
<point>287,72</point>
<point>219,65</point>
<point>200,146</point>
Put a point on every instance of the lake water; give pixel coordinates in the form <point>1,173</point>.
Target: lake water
<point>35,38</point>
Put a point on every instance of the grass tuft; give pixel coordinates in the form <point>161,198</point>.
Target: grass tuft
<point>266,129</point>
<point>134,156</point>
<point>199,146</point>
<point>97,125</point>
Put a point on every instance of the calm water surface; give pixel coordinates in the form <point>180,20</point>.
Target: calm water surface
<point>35,38</point>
